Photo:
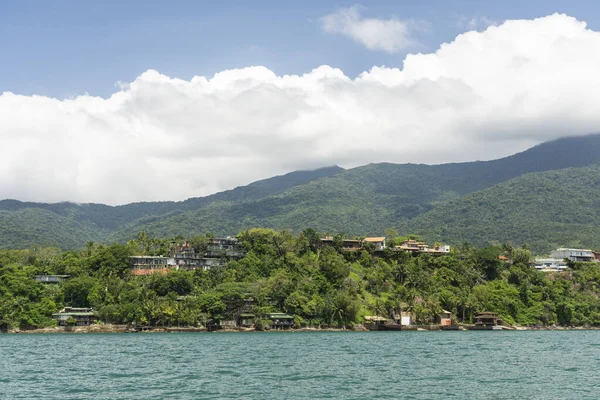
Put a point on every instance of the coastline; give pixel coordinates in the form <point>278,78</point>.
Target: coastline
<point>108,328</point>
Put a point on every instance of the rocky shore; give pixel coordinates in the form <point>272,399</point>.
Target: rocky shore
<point>108,328</point>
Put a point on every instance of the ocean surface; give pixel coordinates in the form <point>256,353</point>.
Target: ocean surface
<point>302,365</point>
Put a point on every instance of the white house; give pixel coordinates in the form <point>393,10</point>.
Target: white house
<point>550,264</point>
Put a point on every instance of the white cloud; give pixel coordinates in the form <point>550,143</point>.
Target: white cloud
<point>389,35</point>
<point>485,95</point>
<point>476,23</point>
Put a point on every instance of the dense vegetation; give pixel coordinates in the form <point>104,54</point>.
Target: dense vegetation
<point>545,210</point>
<point>319,285</point>
<point>450,202</point>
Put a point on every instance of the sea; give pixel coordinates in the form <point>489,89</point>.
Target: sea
<point>302,365</point>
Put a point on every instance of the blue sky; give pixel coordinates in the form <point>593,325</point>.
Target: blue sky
<point>65,48</point>
<point>121,101</point>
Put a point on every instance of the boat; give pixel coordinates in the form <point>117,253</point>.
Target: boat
<point>486,321</point>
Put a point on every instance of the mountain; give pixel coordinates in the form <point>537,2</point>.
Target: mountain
<point>544,210</point>
<point>368,199</point>
<point>362,200</point>
<point>70,225</point>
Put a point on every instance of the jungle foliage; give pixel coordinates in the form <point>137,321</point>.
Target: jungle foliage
<point>319,285</point>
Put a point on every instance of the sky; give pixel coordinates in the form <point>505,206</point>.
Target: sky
<point>117,102</point>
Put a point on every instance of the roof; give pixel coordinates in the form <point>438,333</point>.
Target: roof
<point>74,314</point>
<point>279,316</point>
<point>374,318</point>
<point>486,314</point>
<point>374,239</point>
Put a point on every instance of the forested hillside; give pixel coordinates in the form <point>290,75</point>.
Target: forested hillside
<point>318,285</point>
<point>359,201</point>
<point>544,210</point>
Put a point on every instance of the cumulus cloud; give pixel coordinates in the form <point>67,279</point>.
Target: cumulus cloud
<point>485,95</point>
<point>475,23</point>
<point>389,35</point>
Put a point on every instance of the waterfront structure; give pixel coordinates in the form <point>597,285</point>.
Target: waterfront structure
<point>405,318</point>
<point>486,321</point>
<point>51,279</point>
<point>445,318</point>
<point>148,265</point>
<point>583,255</point>
<point>280,320</point>
<point>75,316</point>
<point>550,264</point>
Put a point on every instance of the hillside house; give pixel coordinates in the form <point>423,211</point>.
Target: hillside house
<point>582,255</point>
<point>378,242</point>
<point>347,244</point>
<point>550,264</point>
<point>51,279</point>
<point>148,265</point>
<point>225,247</point>
<point>414,246</point>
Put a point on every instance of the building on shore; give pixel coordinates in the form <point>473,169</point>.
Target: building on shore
<point>75,316</point>
<point>445,318</point>
<point>280,321</point>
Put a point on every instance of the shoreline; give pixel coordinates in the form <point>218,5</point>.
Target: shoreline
<point>109,328</point>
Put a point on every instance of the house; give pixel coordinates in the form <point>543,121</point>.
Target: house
<point>583,255</point>
<point>148,265</point>
<point>194,263</point>
<point>187,259</point>
<point>56,279</point>
<point>347,244</point>
<point>75,316</point>
<point>440,249</point>
<point>414,246</point>
<point>378,242</point>
<point>225,247</point>
<point>280,320</point>
<point>445,318</point>
<point>405,318</point>
<point>246,320</point>
<point>487,319</point>
<point>550,264</point>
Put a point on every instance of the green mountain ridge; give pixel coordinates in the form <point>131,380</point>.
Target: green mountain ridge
<point>544,210</point>
<point>359,201</point>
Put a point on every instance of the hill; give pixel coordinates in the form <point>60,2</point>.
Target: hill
<point>368,199</point>
<point>543,210</point>
<point>362,200</point>
<point>70,225</point>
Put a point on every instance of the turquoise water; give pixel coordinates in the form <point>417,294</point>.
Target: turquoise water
<point>408,365</point>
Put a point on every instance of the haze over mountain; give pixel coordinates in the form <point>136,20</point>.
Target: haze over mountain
<point>450,202</point>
